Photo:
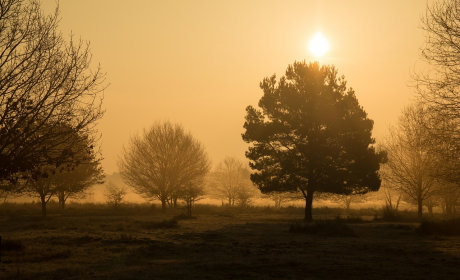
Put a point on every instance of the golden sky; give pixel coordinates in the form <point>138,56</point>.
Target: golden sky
<point>199,63</point>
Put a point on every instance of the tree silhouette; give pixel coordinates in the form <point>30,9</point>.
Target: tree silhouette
<point>44,82</point>
<point>311,135</point>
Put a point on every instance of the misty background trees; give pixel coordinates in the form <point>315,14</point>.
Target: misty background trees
<point>311,135</point>
<point>230,182</point>
<point>162,161</point>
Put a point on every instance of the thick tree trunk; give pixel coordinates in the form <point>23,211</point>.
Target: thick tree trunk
<point>308,207</point>
<point>420,207</point>
<point>43,200</point>
<point>163,206</point>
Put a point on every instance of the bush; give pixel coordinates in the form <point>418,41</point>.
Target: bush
<point>450,227</point>
<point>184,216</point>
<point>165,224</point>
<point>333,228</point>
<point>392,215</point>
<point>12,245</point>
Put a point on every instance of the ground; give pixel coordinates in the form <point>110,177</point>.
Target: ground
<point>217,246</point>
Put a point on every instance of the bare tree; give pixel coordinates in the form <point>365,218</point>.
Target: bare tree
<point>411,157</point>
<point>161,160</point>
<point>114,195</point>
<point>76,183</point>
<point>280,198</point>
<point>230,181</point>
<point>347,200</point>
<point>190,193</point>
<point>388,192</point>
<point>44,82</point>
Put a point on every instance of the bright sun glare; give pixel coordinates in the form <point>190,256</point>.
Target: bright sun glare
<point>318,45</point>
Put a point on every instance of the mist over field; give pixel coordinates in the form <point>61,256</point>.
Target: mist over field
<point>229,139</point>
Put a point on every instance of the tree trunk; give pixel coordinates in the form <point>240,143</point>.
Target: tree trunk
<point>308,207</point>
<point>163,206</point>
<point>229,201</point>
<point>420,207</point>
<point>43,200</point>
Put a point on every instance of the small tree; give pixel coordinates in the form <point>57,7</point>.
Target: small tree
<point>114,195</point>
<point>43,187</point>
<point>230,181</point>
<point>311,135</point>
<point>411,156</point>
<point>190,193</point>
<point>347,200</point>
<point>76,182</point>
<point>280,198</point>
<point>161,160</point>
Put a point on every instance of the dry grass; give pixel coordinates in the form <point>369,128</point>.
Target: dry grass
<point>227,245</point>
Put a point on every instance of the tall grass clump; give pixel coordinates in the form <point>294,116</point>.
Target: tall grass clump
<point>390,214</point>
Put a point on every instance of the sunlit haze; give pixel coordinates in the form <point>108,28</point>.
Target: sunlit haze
<point>199,63</point>
<point>318,45</point>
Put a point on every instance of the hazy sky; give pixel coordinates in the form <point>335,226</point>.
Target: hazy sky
<point>199,63</point>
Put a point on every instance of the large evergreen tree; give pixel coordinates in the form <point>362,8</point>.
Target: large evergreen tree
<point>311,135</point>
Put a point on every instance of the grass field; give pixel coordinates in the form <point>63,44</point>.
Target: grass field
<point>219,244</point>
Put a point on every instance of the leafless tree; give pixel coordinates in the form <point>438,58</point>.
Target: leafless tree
<point>388,192</point>
<point>347,200</point>
<point>411,157</point>
<point>76,182</point>
<point>280,198</point>
<point>230,181</point>
<point>190,193</point>
<point>161,160</point>
<point>44,82</point>
<point>114,195</point>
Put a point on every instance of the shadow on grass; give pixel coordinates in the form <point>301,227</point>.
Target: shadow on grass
<point>331,228</point>
<point>448,227</point>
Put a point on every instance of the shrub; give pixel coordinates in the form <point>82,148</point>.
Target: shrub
<point>172,223</point>
<point>184,216</point>
<point>391,215</point>
<point>334,228</point>
<point>12,245</point>
<point>450,227</point>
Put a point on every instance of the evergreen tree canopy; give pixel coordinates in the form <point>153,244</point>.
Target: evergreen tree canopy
<point>311,135</point>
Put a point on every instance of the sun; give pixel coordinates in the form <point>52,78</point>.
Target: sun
<point>318,45</point>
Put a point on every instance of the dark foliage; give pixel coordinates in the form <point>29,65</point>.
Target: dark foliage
<point>12,245</point>
<point>184,216</point>
<point>449,227</point>
<point>310,134</point>
<point>331,228</point>
<point>391,215</point>
<point>171,223</point>
<point>45,82</point>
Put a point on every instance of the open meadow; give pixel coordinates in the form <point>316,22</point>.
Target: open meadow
<point>139,242</point>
